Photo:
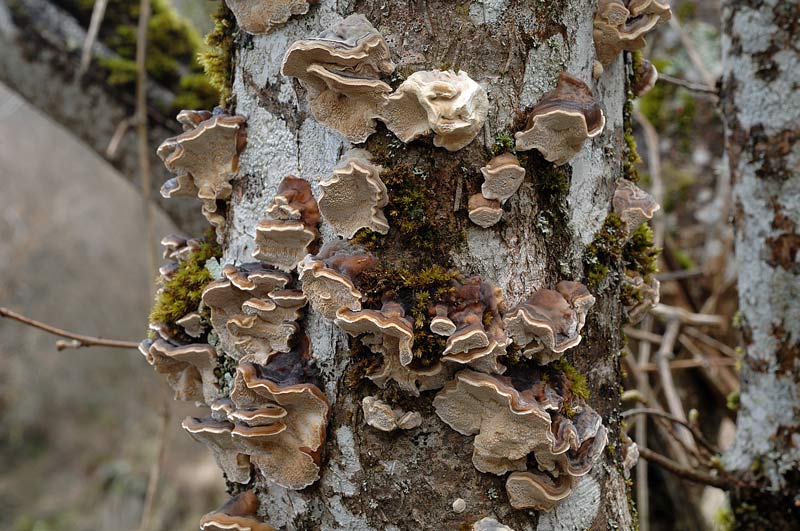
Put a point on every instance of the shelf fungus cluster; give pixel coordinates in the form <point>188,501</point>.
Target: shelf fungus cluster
<point>240,513</point>
<point>561,122</point>
<point>502,176</point>
<point>205,158</point>
<point>341,71</point>
<point>622,25</point>
<point>262,16</point>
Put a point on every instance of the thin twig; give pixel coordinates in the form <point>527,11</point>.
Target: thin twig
<point>691,475</point>
<point>711,342</point>
<point>691,51</point>
<point>76,340</point>
<point>663,356</point>
<point>663,414</point>
<point>155,469</point>
<point>116,138</point>
<point>670,313</point>
<point>679,275</point>
<point>694,87</point>
<point>690,364</point>
<point>98,12</point>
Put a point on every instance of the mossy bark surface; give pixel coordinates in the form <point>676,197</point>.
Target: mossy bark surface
<point>409,480</point>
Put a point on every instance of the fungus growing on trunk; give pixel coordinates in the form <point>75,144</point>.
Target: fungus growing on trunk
<point>622,25</point>
<point>189,368</point>
<point>387,331</point>
<point>354,197</point>
<point>240,513</point>
<point>340,70</point>
<point>489,524</point>
<point>284,241</point>
<point>217,436</point>
<point>262,16</point>
<point>641,294</point>
<point>633,205</point>
<point>484,212</point>
<point>645,77</point>
<point>451,106</point>
<point>381,416</point>
<point>537,490</point>
<point>502,177</point>
<point>205,158</point>
<point>550,321</point>
<point>562,120</point>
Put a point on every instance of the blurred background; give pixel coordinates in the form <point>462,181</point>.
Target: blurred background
<point>81,429</point>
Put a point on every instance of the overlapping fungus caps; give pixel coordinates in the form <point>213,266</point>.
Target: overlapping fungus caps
<point>633,205</point>
<point>262,16</point>
<point>562,120</point>
<point>645,77</point>
<point>189,368</point>
<point>484,212</point>
<point>217,436</point>
<point>387,331</point>
<point>284,240</point>
<point>622,25</point>
<point>240,513</point>
<point>502,177</point>
<point>645,295</point>
<point>550,321</point>
<point>340,70</point>
<point>381,416</point>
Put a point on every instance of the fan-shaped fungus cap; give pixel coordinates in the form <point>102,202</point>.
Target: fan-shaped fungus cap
<point>451,106</point>
<point>441,323</point>
<point>189,368</point>
<point>562,120</point>
<point>645,76</point>
<point>286,451</point>
<point>217,436</point>
<point>633,205</point>
<point>240,513</point>
<point>502,177</point>
<point>484,212</point>
<point>262,16</point>
<point>340,71</point>
<point>644,295</point>
<point>622,25</point>
<point>327,278</point>
<point>381,416</point>
<point>412,378</point>
<point>508,425</point>
<point>489,524</point>
<point>354,197</point>
<point>537,490</point>
<point>386,331</point>
<point>550,322</point>
<point>283,241</point>
<point>192,324</point>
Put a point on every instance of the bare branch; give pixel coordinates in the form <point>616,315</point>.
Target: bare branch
<point>694,87</point>
<point>665,312</point>
<point>98,12</point>
<point>663,414</point>
<point>691,475</point>
<point>155,469</point>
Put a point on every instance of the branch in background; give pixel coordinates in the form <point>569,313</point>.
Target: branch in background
<point>694,87</point>
<point>155,469</point>
<point>98,12</point>
<point>691,475</point>
<point>686,317</point>
<point>663,414</point>
<point>75,340</point>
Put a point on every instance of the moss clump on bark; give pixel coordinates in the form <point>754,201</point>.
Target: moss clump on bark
<point>218,60</point>
<point>640,254</point>
<point>604,253</point>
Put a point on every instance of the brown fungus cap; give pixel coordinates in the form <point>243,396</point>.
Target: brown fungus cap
<point>646,295</point>
<point>189,368</point>
<point>622,25</point>
<point>537,490</point>
<point>412,378</point>
<point>354,197</point>
<point>450,105</point>
<point>502,177</point>
<point>387,331</point>
<point>262,16</point>
<point>484,212</point>
<point>340,71</point>
<point>381,416</point>
<point>240,513</point>
<point>218,437</point>
<point>562,120</point>
<point>550,321</point>
<point>646,77</point>
<point>633,205</point>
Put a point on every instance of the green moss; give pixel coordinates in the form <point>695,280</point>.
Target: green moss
<point>724,519</point>
<point>503,143</point>
<point>631,157</point>
<point>640,254</point>
<point>218,60</point>
<point>181,294</point>
<point>604,253</point>
<point>577,383</point>
<point>733,401</point>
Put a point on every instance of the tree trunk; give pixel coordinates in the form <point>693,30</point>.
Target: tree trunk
<point>762,112</point>
<point>371,480</point>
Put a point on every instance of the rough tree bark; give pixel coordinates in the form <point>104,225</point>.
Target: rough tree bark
<point>762,112</point>
<point>515,50</point>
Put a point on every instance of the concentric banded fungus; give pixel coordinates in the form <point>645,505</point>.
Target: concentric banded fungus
<point>562,120</point>
<point>205,159</point>
<point>451,106</point>
<point>239,514</point>
<point>412,378</point>
<point>502,177</point>
<point>284,241</point>
<point>537,490</point>
<point>508,426</point>
<point>645,76</point>
<point>251,312</point>
<point>550,322</point>
<point>644,295</point>
<point>286,451</point>
<point>340,70</point>
<point>381,416</point>
<point>622,24</point>
<point>387,331</point>
<point>354,197</point>
<point>262,16</point>
<point>489,524</point>
<point>217,436</point>
<point>189,368</point>
<point>633,205</point>
<point>484,212</point>
<point>327,278</point>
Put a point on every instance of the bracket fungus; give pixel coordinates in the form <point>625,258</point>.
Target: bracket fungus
<point>550,321</point>
<point>205,158</point>
<point>484,212</point>
<point>240,513</point>
<point>262,16</point>
<point>502,177</point>
<point>622,25</point>
<point>284,241</point>
<point>189,368</point>
<point>644,294</point>
<point>354,197</point>
<point>327,278</point>
<point>537,490</point>
<point>563,119</point>
<point>252,312</point>
<point>387,331</point>
<point>381,416</point>
<point>341,69</point>
<point>218,437</point>
<point>450,105</point>
<point>645,77</point>
<point>412,378</point>
<point>489,524</point>
<point>633,205</point>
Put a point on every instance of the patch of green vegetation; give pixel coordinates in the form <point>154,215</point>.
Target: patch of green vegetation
<point>733,401</point>
<point>182,292</point>
<point>640,254</point>
<point>576,381</point>
<point>605,252</point>
<point>671,109</point>
<point>218,60</point>
<point>632,157</point>
<point>503,143</point>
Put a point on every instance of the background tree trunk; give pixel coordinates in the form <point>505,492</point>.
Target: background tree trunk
<point>516,50</point>
<point>762,110</point>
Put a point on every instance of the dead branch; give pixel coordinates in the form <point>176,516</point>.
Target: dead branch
<point>690,475</point>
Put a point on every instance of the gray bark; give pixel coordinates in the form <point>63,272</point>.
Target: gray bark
<point>762,110</point>
<point>516,51</point>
